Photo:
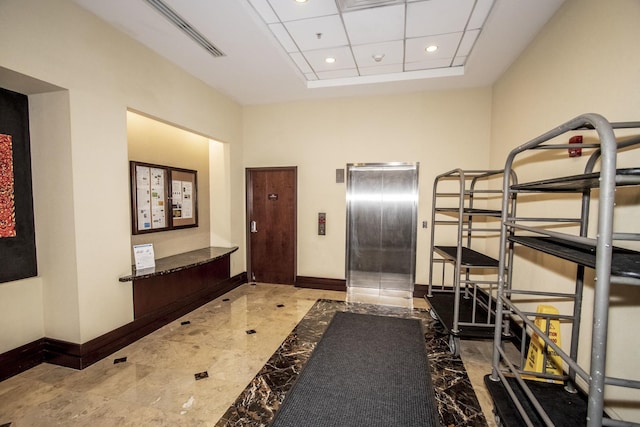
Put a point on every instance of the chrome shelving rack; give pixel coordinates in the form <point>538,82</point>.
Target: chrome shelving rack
<point>466,305</point>
<point>516,397</point>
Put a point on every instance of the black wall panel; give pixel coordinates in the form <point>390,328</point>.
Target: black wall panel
<point>18,254</point>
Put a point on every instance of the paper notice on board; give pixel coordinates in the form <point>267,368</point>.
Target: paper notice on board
<point>187,199</point>
<point>143,179</point>
<point>176,199</point>
<point>144,256</point>
<point>143,197</point>
<point>158,218</point>
<point>144,218</point>
<point>182,199</point>
<point>158,213</point>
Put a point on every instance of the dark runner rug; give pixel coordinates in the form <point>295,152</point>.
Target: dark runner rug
<point>257,404</point>
<point>366,371</point>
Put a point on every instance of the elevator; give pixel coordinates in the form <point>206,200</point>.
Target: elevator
<point>382,205</point>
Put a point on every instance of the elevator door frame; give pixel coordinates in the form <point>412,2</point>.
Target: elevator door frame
<point>414,167</point>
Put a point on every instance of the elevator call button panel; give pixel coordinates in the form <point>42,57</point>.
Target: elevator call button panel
<point>322,224</point>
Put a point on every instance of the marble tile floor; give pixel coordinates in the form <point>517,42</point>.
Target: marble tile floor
<point>192,371</point>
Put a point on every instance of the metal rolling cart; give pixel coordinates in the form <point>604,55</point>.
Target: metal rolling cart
<point>571,394</point>
<point>465,306</point>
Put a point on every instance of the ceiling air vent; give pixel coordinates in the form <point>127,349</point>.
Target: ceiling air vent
<point>348,5</point>
<point>185,27</point>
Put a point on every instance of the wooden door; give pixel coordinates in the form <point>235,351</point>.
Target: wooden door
<point>271,224</point>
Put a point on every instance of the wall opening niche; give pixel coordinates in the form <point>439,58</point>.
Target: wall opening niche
<point>154,141</point>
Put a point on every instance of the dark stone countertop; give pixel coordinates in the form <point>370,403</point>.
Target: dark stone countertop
<point>179,262</point>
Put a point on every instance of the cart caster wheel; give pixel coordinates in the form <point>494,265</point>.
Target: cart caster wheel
<point>498,420</point>
<point>454,345</point>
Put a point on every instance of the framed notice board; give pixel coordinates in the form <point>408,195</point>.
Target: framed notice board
<point>162,198</point>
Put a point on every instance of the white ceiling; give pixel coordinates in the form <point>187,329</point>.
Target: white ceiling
<point>275,50</point>
<point>381,38</point>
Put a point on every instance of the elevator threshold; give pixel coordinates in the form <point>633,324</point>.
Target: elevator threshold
<point>390,297</point>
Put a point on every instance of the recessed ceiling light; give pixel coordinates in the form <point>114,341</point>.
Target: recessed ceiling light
<point>301,1</point>
<point>431,49</point>
<point>330,60</point>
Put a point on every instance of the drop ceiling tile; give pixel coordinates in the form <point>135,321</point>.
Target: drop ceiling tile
<point>342,55</point>
<point>447,46</point>
<point>480,13</point>
<point>305,32</point>
<point>375,25</point>
<point>437,17</point>
<point>338,74</point>
<point>428,64</point>
<point>289,10</point>
<point>265,11</point>
<point>301,62</point>
<point>393,53</point>
<point>381,69</point>
<point>467,42</point>
<point>283,37</point>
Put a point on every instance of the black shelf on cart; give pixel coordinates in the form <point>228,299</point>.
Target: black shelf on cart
<point>442,305</point>
<point>577,182</point>
<point>469,258</point>
<point>624,262</point>
<point>470,211</point>
<point>564,408</point>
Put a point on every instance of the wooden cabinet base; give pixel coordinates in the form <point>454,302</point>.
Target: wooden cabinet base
<point>154,294</point>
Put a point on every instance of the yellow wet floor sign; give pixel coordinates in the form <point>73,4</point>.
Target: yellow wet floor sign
<point>536,355</point>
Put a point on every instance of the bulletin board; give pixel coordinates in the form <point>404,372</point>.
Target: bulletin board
<point>162,198</point>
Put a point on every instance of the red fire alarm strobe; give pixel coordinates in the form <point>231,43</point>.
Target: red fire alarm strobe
<point>575,152</point>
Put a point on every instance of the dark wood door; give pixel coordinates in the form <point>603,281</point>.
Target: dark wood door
<point>271,224</point>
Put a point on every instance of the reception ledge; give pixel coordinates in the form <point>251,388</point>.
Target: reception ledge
<point>177,279</point>
<point>179,262</point>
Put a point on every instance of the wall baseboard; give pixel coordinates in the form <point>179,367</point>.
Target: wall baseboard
<point>321,283</point>
<point>21,359</point>
<point>79,356</point>
<point>419,291</point>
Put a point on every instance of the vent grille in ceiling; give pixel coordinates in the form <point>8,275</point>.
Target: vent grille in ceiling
<point>347,5</point>
<point>185,27</point>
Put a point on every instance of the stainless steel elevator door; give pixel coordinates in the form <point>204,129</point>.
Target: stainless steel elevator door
<point>381,226</point>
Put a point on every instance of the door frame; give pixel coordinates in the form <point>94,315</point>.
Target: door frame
<point>249,210</point>
<point>415,205</point>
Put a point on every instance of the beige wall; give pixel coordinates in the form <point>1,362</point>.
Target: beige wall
<point>54,214</point>
<point>105,73</point>
<point>224,205</point>
<point>584,61</point>
<point>441,130</point>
